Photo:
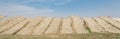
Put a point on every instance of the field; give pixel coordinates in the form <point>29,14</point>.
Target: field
<point>72,27</point>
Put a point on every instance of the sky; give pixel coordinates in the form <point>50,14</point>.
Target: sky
<point>60,8</point>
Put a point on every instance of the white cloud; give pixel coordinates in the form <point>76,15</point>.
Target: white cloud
<point>23,10</point>
<point>53,2</point>
<point>40,0</point>
<point>16,8</point>
<point>63,2</point>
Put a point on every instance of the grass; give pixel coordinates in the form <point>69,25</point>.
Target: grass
<point>64,36</point>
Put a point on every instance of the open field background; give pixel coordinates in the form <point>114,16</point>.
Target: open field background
<point>72,27</point>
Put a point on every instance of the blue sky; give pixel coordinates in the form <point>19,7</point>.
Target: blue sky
<point>60,8</point>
